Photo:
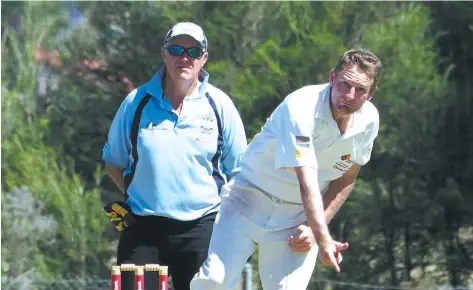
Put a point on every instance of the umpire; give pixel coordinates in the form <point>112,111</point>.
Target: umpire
<point>171,146</point>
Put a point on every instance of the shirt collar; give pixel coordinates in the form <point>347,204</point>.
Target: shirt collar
<point>154,86</point>
<point>323,105</point>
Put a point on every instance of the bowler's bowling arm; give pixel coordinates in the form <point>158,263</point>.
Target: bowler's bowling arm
<point>338,190</point>
<point>313,204</point>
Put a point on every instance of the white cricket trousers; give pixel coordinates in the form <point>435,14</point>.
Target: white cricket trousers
<point>249,218</point>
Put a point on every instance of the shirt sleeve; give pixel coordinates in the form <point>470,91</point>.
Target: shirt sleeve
<point>294,125</point>
<point>234,140</point>
<point>117,148</point>
<point>363,153</point>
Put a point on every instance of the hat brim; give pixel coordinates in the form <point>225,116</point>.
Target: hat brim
<point>185,34</point>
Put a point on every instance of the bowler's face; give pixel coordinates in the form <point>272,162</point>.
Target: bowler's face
<point>351,88</point>
<point>183,67</point>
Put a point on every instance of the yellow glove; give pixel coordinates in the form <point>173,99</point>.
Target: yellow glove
<point>120,214</point>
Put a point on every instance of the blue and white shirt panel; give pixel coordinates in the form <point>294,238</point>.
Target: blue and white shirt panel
<point>182,160</point>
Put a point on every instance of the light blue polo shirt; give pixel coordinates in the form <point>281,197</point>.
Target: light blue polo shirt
<point>180,162</point>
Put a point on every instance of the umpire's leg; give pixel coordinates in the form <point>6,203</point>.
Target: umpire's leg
<point>189,245</point>
<point>141,244</point>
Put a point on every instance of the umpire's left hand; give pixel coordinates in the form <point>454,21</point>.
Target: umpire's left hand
<point>120,214</point>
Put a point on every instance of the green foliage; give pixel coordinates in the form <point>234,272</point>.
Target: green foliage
<point>408,220</point>
<point>24,226</point>
<point>51,219</point>
<point>20,38</point>
<point>406,212</point>
<point>75,208</point>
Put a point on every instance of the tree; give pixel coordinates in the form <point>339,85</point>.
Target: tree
<point>69,226</point>
<point>403,175</point>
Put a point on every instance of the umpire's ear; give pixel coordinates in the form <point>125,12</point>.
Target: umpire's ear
<point>163,54</point>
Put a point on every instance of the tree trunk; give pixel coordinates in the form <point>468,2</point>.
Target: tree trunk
<point>390,237</point>
<point>407,253</point>
<point>450,253</point>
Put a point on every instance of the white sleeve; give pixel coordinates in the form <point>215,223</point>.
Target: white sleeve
<point>294,124</point>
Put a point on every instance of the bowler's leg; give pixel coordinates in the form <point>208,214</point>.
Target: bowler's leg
<point>230,248</point>
<point>280,267</point>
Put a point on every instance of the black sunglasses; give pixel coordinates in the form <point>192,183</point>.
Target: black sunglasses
<point>177,50</point>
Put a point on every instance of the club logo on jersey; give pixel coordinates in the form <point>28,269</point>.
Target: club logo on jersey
<point>203,140</point>
<point>206,130</point>
<point>208,117</point>
<point>344,164</point>
<point>341,167</point>
<point>346,157</point>
<point>160,125</point>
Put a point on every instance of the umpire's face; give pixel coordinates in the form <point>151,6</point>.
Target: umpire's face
<point>184,58</point>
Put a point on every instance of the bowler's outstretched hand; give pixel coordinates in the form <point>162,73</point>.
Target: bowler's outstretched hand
<point>331,253</point>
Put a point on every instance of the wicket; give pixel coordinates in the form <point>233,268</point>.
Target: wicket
<point>139,275</point>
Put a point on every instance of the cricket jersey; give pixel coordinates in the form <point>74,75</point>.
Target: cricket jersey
<point>302,132</point>
<point>175,164</point>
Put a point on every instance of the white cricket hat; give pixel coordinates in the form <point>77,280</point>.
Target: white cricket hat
<point>190,29</point>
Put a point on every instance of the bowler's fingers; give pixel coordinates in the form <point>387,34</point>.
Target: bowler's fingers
<point>301,239</point>
<point>302,228</point>
<point>325,260</point>
<point>300,233</point>
<point>339,257</point>
<point>301,248</point>
<point>333,261</point>
<point>341,246</point>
